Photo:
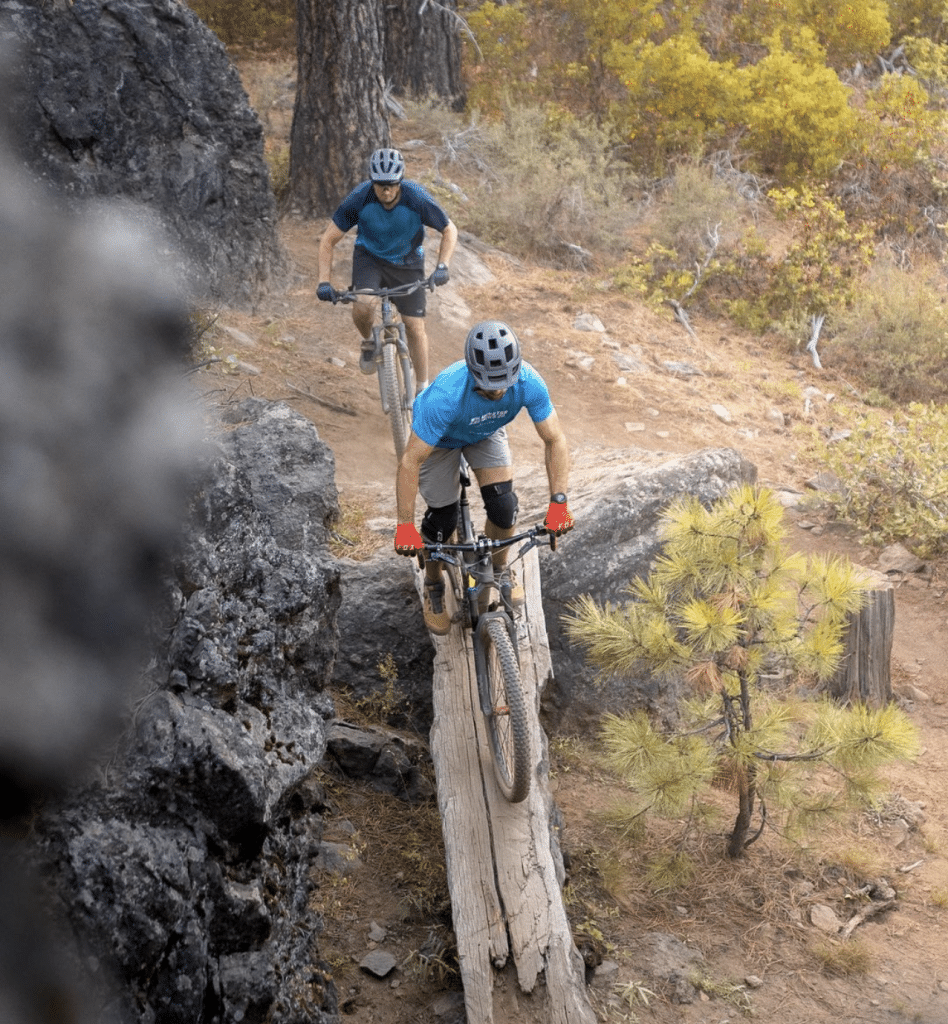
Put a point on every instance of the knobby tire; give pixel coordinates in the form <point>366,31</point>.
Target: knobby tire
<point>393,391</point>
<point>507,725</point>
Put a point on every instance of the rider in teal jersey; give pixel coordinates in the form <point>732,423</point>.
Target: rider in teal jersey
<point>465,412</point>
<point>390,215</point>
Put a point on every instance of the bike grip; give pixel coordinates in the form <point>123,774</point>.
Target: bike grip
<point>421,559</point>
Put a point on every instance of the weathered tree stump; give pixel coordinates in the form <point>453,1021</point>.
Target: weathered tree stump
<point>864,675</point>
<point>504,871</point>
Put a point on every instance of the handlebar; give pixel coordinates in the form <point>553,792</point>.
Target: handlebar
<point>439,551</point>
<point>354,294</point>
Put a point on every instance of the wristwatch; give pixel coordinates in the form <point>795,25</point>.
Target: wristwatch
<point>559,498</point>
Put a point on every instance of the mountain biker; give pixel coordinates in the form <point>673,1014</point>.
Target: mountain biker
<point>390,215</point>
<point>464,412</point>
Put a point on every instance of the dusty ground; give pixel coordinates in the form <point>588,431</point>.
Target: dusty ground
<point>749,920</point>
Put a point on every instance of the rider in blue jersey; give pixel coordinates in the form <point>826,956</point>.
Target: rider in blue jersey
<point>390,216</point>
<point>465,412</point>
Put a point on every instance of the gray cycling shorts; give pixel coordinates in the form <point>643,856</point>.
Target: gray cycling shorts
<point>438,481</point>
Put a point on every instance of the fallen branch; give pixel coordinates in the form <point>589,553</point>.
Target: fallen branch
<point>816,325</point>
<point>870,910</point>
<point>321,401</point>
<point>682,317</point>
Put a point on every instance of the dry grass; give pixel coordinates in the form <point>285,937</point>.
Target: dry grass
<point>844,959</point>
<point>351,536</point>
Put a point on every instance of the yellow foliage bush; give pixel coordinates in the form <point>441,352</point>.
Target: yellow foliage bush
<point>798,117</point>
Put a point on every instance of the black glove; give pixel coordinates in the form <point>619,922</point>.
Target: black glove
<point>441,275</point>
<point>325,292</point>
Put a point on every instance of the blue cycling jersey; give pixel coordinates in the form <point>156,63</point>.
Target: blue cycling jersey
<point>449,413</point>
<point>397,235</point>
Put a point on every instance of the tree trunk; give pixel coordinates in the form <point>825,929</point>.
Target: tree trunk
<point>503,861</point>
<point>864,674</point>
<point>747,793</point>
<point>423,50</point>
<point>339,117</point>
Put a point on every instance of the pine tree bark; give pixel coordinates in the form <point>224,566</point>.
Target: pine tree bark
<point>423,50</point>
<point>339,117</point>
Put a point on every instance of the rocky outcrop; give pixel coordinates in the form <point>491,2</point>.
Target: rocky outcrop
<point>137,100</point>
<point>186,872</point>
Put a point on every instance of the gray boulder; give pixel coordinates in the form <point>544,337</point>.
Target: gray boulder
<point>184,871</point>
<point>381,630</point>
<point>137,100</point>
<point>617,498</point>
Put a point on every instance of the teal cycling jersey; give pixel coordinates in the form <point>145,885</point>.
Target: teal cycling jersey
<point>449,413</point>
<point>396,236</point>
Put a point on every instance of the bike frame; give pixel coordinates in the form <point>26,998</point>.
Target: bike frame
<point>392,332</point>
<point>496,651</point>
<point>472,556</point>
<point>391,353</point>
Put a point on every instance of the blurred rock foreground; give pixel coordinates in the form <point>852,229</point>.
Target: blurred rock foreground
<point>160,708</point>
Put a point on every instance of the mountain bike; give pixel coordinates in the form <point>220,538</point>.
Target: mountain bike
<point>494,639</point>
<point>391,357</point>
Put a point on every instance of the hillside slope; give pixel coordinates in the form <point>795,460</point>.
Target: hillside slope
<point>644,383</point>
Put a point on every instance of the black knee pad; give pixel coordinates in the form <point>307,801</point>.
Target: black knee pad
<point>439,523</point>
<point>501,504</point>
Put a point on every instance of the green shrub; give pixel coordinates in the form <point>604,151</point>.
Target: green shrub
<point>893,473</point>
<point>694,233</point>
<point>798,116</point>
<point>894,337</point>
<point>818,271</point>
<point>552,182</point>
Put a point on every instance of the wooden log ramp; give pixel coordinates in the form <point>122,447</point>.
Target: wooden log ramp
<point>517,958</point>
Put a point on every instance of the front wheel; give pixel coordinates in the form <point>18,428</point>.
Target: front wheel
<point>395,400</point>
<point>507,725</point>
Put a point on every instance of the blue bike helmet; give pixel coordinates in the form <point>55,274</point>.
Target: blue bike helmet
<point>386,166</point>
<point>492,354</point>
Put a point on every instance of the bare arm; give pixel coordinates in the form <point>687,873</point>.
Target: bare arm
<point>330,239</point>
<point>556,453</point>
<point>406,480</point>
<point>449,239</point>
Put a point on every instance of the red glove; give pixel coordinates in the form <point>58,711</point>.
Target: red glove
<point>407,539</point>
<point>558,520</point>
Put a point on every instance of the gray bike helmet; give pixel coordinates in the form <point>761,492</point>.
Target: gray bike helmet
<point>386,166</point>
<point>492,353</point>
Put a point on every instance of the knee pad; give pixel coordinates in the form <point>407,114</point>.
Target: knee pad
<point>439,523</point>
<point>501,504</point>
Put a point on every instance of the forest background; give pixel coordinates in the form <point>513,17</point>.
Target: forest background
<point>779,165</point>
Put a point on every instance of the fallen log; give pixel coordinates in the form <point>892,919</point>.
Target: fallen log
<point>504,869</point>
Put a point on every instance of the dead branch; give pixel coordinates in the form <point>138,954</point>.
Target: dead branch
<point>870,910</point>
<point>321,401</point>
<point>816,325</point>
<point>682,317</point>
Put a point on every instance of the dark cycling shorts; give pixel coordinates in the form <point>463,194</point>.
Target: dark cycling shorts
<point>370,272</point>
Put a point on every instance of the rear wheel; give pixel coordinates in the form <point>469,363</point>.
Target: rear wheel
<point>395,396</point>
<point>507,725</point>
